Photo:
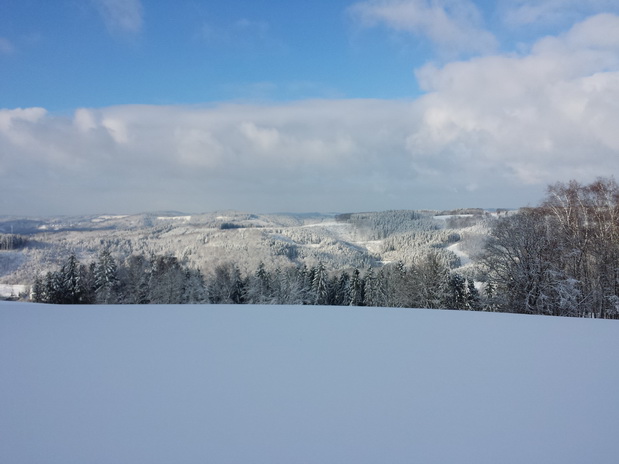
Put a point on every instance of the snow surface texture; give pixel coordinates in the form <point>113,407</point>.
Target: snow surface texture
<point>264,384</point>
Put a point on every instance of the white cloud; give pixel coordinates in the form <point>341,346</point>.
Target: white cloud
<point>84,120</point>
<point>7,117</point>
<point>542,117</point>
<point>455,26</point>
<point>263,139</point>
<point>490,131</point>
<point>11,122</point>
<point>598,32</point>
<point>243,156</point>
<point>198,148</point>
<point>121,16</point>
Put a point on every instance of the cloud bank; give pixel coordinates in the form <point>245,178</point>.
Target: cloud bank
<point>490,131</point>
<point>455,26</point>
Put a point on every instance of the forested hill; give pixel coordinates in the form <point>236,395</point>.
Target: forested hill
<point>558,258</point>
<point>228,246</point>
<point>206,241</point>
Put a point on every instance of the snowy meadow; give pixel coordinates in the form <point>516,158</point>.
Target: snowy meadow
<point>294,384</point>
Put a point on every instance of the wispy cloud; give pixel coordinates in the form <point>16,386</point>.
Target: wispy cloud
<point>121,17</point>
<point>520,13</point>
<point>243,33</point>
<point>6,46</point>
<point>454,26</point>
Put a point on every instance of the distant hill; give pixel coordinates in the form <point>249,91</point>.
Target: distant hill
<point>203,241</point>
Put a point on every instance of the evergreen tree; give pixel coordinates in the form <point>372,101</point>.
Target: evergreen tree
<point>433,282</point>
<point>280,286</point>
<point>355,294</point>
<point>239,287</point>
<point>88,283</point>
<point>289,289</point>
<point>38,290</point>
<point>53,288</point>
<point>106,278</point>
<point>72,289</point>
<point>399,294</point>
<point>304,280</point>
<point>342,289</point>
<point>319,285</point>
<point>374,292</point>
<point>458,297</point>
<point>194,290</point>
<point>473,297</point>
<point>134,277</point>
<point>167,280</point>
<point>259,287</point>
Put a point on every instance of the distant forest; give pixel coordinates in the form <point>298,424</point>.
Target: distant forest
<point>560,258</point>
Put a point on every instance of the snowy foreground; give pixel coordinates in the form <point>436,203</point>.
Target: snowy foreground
<point>263,384</point>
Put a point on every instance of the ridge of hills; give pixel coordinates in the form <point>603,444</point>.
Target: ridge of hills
<point>204,241</point>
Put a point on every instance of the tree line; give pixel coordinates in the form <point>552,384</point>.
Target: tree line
<point>165,280</point>
<point>137,280</point>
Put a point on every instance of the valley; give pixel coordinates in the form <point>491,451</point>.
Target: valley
<point>205,241</point>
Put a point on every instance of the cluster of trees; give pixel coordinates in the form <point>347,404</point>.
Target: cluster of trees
<point>426,284</point>
<point>379,225</point>
<point>138,280</point>
<point>163,279</point>
<point>562,257</point>
<point>12,241</point>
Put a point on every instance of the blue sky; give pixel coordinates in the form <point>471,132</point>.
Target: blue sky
<point>134,105</point>
<point>70,54</point>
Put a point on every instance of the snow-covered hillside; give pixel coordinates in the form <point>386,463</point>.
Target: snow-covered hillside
<point>264,384</point>
<point>205,241</point>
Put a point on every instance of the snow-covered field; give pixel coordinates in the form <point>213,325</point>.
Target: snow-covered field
<point>10,291</point>
<point>259,384</point>
<point>464,258</point>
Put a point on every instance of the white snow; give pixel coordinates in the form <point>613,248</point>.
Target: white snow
<point>174,218</point>
<point>346,232</point>
<point>260,384</point>
<point>108,217</point>
<point>8,290</point>
<point>464,257</point>
<point>444,217</point>
<point>329,225</point>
